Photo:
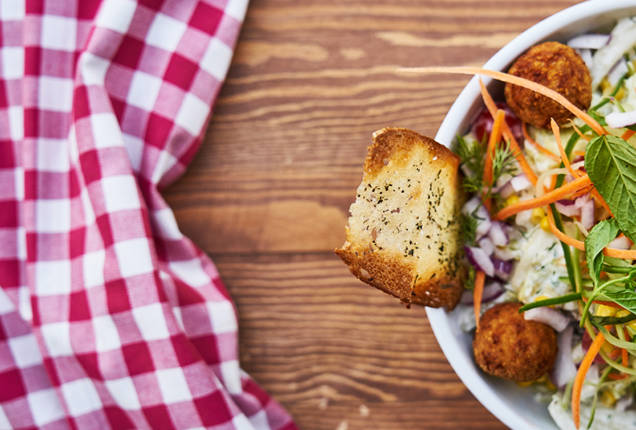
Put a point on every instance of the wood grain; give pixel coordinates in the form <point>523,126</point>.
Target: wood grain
<point>268,197</point>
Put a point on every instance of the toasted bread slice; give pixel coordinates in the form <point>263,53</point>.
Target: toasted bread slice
<point>403,232</point>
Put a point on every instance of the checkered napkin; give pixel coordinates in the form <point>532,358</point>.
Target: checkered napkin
<point>109,316</point>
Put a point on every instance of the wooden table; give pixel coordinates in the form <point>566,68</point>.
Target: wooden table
<point>268,194</point>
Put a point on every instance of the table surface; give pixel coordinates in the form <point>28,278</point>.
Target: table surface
<point>268,196</point>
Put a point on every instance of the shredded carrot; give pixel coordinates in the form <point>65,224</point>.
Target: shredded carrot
<point>579,153</point>
<point>514,145</point>
<point>551,197</point>
<point>615,353</point>
<point>590,355</point>
<point>580,133</point>
<point>545,151</point>
<point>628,134</point>
<point>625,254</point>
<point>603,302</point>
<point>480,279</point>
<point>564,157</point>
<point>606,303</point>
<point>516,80</point>
<point>495,135</point>
<point>624,354</point>
<point>618,376</point>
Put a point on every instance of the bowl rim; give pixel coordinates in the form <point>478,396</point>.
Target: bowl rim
<point>439,319</point>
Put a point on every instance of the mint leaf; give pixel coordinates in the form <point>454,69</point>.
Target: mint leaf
<point>624,297</point>
<point>598,238</point>
<point>611,163</point>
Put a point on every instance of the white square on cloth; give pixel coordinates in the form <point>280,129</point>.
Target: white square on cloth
<point>45,406</point>
<point>53,155</point>
<point>191,272</point>
<point>222,316</point>
<point>93,68</point>
<point>216,59</point>
<point>173,385</point>
<point>12,62</point>
<point>192,114</point>
<point>124,393</point>
<point>165,32</point>
<point>16,122</point>
<point>120,193</point>
<point>93,268</point>
<point>12,10</point>
<point>81,397</point>
<point>53,215</point>
<point>25,350</point>
<point>133,257</point>
<point>53,277</point>
<point>144,90</point>
<point>116,15</point>
<point>106,335</point>
<point>151,322</point>
<point>55,94</point>
<point>57,338</point>
<point>58,32</point>
<point>106,132</point>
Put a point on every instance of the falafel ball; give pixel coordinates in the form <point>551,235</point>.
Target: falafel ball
<point>558,67</point>
<point>508,346</point>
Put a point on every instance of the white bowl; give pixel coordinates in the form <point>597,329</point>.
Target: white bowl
<point>513,405</point>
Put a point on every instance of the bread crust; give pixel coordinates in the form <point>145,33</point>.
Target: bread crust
<point>390,271</point>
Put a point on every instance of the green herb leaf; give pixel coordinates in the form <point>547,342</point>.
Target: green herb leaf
<point>503,162</point>
<point>471,153</point>
<point>468,228</point>
<point>611,164</point>
<point>598,238</point>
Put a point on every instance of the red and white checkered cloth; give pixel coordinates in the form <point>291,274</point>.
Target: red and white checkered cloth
<point>109,316</point>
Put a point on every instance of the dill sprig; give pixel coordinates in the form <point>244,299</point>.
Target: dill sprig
<point>473,154</point>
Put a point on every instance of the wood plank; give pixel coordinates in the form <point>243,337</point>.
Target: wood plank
<point>325,345</point>
<point>269,191</point>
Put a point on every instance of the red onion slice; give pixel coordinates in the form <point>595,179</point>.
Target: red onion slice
<point>487,245</point>
<point>589,41</point>
<point>587,214</point>
<point>581,201</point>
<point>621,242</point>
<point>497,234</point>
<point>564,369</point>
<point>490,293</point>
<point>567,209</point>
<point>478,258</point>
<point>503,268</point>
<point>505,190</point>
<point>471,205</point>
<point>621,119</point>
<point>483,222</point>
<point>520,183</point>
<point>552,317</point>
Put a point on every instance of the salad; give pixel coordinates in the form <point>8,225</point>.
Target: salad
<point>550,225</point>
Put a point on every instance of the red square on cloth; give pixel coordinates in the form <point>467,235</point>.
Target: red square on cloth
<point>206,18</point>
<point>181,71</point>
<point>12,385</point>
